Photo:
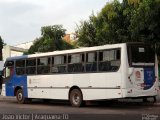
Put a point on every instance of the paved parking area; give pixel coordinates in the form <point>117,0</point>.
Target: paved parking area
<point>103,110</point>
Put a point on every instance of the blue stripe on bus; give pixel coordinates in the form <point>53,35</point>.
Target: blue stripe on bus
<point>16,81</point>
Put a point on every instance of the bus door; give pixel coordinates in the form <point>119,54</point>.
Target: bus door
<point>8,76</point>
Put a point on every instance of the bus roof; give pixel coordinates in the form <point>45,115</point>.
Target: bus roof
<point>78,50</point>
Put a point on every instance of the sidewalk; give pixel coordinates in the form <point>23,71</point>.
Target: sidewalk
<point>3,98</point>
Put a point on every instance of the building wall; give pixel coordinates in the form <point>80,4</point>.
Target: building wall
<point>16,53</point>
<point>10,51</point>
<point>26,45</point>
<point>1,65</point>
<point>6,52</point>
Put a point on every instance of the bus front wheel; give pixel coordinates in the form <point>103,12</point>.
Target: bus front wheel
<point>76,98</point>
<point>20,97</point>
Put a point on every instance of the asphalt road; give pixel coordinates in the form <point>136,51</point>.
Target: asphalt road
<point>61,110</point>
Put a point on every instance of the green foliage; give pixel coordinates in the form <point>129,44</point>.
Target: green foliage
<point>110,24</point>
<point>134,2</point>
<point>65,45</point>
<point>145,23</point>
<point>75,44</point>
<point>38,43</point>
<point>87,33</point>
<point>51,40</point>
<point>129,21</point>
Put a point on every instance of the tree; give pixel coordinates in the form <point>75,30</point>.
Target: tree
<point>53,35</point>
<point>145,23</point>
<point>87,33</point>
<point>129,21</point>
<point>109,26</point>
<point>132,2</point>
<point>50,40</point>
<point>38,42</point>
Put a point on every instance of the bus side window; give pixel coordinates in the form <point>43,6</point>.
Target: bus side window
<point>20,67</point>
<point>104,61</point>
<point>76,62</point>
<point>91,62</point>
<point>109,60</point>
<point>59,64</point>
<point>9,67</point>
<point>115,62</point>
<point>31,66</point>
<point>43,65</point>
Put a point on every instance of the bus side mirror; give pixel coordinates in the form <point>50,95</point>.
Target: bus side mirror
<point>130,71</point>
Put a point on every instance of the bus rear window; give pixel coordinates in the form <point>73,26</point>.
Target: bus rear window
<point>141,55</point>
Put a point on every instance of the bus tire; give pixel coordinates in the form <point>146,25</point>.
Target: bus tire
<point>76,98</point>
<point>20,97</point>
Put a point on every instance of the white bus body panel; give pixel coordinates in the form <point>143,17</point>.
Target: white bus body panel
<point>94,86</point>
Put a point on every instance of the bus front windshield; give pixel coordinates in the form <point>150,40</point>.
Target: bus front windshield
<point>141,55</point>
<point>8,70</point>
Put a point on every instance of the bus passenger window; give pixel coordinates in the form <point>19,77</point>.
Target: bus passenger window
<point>43,65</point>
<point>91,62</point>
<point>20,67</point>
<point>31,66</point>
<point>9,67</point>
<point>59,64</point>
<point>76,58</point>
<point>115,63</point>
<point>104,63</point>
<point>112,55</point>
<point>109,60</point>
<point>76,63</point>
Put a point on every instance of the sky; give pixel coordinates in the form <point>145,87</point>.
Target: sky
<point>21,20</point>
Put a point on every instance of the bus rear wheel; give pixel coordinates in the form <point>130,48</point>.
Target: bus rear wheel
<point>20,97</point>
<point>76,98</point>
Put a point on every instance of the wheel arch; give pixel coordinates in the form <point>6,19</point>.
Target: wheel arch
<point>16,89</point>
<point>74,87</point>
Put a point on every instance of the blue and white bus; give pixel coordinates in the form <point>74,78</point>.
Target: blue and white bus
<point>115,71</point>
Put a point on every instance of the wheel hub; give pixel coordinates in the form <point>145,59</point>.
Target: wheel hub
<point>76,99</point>
<point>20,96</point>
